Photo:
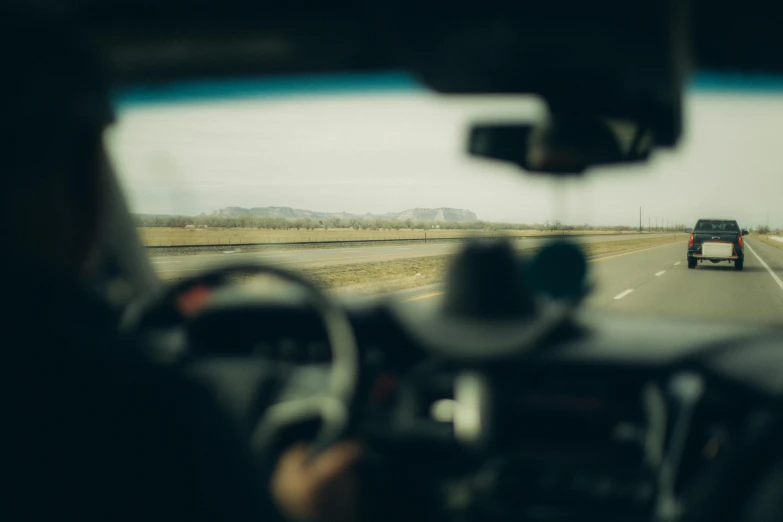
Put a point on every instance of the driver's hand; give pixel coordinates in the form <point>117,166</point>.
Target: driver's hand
<point>321,488</point>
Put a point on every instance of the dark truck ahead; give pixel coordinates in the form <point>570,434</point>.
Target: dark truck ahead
<point>717,240</point>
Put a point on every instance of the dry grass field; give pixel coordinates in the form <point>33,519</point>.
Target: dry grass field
<point>387,276</point>
<point>163,236</point>
<point>770,242</point>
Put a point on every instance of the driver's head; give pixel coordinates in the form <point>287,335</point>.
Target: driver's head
<point>53,110</point>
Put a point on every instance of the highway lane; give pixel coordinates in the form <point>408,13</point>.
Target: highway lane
<point>711,291</point>
<point>169,267</point>
<point>657,282</point>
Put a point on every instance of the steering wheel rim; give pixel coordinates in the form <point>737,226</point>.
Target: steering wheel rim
<point>333,408</point>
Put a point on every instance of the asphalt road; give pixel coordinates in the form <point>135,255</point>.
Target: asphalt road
<point>170,267</point>
<point>657,281</point>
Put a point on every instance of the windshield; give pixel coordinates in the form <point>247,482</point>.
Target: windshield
<point>363,184</point>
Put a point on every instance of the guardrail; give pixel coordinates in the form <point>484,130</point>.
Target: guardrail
<point>424,239</point>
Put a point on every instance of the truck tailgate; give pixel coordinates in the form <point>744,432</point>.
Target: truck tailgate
<point>717,250</point>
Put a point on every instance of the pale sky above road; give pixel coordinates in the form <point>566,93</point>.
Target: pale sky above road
<point>390,152</point>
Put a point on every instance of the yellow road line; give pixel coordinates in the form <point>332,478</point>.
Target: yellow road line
<point>425,296</point>
<point>631,252</point>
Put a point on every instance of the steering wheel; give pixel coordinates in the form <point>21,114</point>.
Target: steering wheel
<point>333,408</point>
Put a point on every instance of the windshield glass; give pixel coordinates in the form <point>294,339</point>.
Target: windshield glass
<point>363,183</point>
<point>716,226</point>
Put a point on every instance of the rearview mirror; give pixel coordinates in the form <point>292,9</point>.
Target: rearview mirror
<point>566,145</point>
<point>744,231</point>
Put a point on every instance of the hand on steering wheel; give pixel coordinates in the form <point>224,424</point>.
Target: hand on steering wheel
<point>322,488</point>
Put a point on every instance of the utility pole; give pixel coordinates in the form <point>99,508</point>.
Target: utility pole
<point>640,220</point>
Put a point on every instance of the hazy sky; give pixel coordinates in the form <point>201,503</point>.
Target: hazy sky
<point>390,152</point>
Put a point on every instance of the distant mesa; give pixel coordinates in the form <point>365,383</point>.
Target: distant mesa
<point>456,215</point>
<point>453,215</point>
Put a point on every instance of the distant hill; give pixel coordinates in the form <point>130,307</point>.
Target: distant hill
<point>454,215</point>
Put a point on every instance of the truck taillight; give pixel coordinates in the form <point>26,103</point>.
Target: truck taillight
<point>690,240</point>
<point>740,240</point>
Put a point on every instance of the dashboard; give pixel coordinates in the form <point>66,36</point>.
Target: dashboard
<point>625,415</point>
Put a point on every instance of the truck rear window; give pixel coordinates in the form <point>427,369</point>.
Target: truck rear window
<point>717,226</point>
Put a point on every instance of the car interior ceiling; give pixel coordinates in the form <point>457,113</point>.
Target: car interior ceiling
<point>573,375</point>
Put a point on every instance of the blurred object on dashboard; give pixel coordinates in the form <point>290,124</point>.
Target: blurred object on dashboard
<point>559,270</point>
<point>486,282</point>
<point>488,309</point>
